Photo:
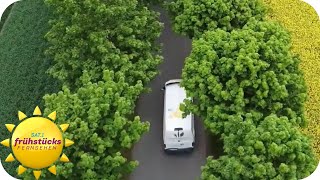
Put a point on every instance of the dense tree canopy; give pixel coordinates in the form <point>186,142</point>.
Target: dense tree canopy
<point>97,114</point>
<point>247,87</point>
<point>274,149</point>
<point>303,23</point>
<point>99,125</point>
<point>193,18</point>
<point>244,70</point>
<point>104,55</point>
<point>101,36</point>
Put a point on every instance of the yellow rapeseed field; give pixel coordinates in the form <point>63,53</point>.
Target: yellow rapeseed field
<point>304,24</point>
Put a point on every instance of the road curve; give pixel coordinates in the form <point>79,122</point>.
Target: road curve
<point>154,164</point>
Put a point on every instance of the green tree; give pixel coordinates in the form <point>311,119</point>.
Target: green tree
<point>97,114</point>
<point>252,69</point>
<point>247,87</point>
<point>193,18</point>
<point>275,149</point>
<point>104,55</point>
<point>95,35</point>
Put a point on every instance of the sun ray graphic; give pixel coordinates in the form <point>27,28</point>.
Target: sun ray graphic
<point>37,142</point>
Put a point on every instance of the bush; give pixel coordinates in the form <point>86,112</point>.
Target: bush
<point>303,23</point>
<point>23,81</point>
<point>274,149</point>
<point>193,18</point>
<point>243,71</point>
<point>94,36</point>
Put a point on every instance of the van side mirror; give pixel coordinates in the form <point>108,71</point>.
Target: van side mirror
<point>162,89</point>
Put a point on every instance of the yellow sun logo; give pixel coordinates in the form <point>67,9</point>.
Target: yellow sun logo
<point>37,142</point>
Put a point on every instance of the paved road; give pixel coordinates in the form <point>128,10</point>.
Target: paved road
<point>154,164</point>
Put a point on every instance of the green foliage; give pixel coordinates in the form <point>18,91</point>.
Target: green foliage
<point>103,36</point>
<point>243,71</point>
<point>303,23</point>
<point>104,56</point>
<point>23,80</point>
<point>248,88</point>
<point>193,18</point>
<point>97,115</point>
<point>274,149</point>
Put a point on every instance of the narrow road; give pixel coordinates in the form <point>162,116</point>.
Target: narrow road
<point>154,164</point>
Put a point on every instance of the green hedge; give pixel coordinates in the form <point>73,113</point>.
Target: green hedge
<point>23,80</point>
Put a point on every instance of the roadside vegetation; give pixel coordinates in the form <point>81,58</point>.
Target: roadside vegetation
<point>104,56</point>
<point>248,88</point>
<point>193,18</point>
<point>303,23</point>
<point>89,61</point>
<point>243,74</point>
<point>23,80</point>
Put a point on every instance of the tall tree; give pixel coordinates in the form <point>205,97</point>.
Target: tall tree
<point>104,53</point>
<point>193,18</point>
<point>274,149</point>
<point>241,71</point>
<point>101,125</point>
<point>95,35</point>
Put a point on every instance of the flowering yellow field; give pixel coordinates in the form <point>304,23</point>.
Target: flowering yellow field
<point>304,24</point>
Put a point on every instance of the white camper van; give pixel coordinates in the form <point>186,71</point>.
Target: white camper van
<point>178,132</point>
